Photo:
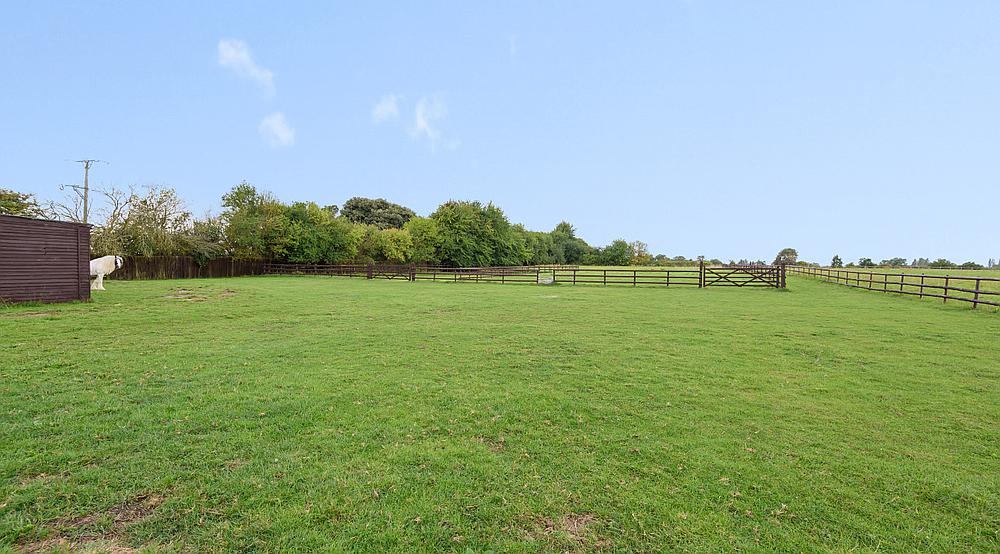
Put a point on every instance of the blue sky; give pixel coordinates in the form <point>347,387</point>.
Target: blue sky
<point>728,129</point>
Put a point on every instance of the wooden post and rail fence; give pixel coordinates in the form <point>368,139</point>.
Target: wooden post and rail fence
<point>184,267</point>
<point>701,276</point>
<point>962,288</point>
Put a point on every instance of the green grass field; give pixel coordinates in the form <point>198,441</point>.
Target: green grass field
<point>330,414</point>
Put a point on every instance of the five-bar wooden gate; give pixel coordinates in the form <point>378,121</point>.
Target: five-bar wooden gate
<point>743,276</point>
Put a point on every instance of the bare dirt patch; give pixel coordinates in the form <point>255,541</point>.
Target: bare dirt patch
<point>495,445</point>
<point>108,540</point>
<point>575,527</point>
<point>27,480</point>
<point>135,510</point>
<point>30,314</point>
<point>62,544</point>
<point>235,463</point>
<point>186,294</point>
<point>200,294</point>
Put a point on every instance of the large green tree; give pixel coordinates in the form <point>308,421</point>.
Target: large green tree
<point>256,224</point>
<point>618,252</point>
<point>426,240</point>
<point>376,211</point>
<point>541,245</point>
<point>376,245</point>
<point>473,234</point>
<point>19,203</point>
<point>316,236</point>
<point>567,247</point>
<point>787,256</point>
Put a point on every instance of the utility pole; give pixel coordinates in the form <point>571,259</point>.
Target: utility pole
<point>86,186</point>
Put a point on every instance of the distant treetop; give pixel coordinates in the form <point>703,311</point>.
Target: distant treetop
<point>378,212</point>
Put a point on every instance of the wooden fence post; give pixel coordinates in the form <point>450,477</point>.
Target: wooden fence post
<point>371,270</point>
<point>947,279</point>
<point>701,273</point>
<point>975,300</point>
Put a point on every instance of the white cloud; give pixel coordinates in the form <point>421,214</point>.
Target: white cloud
<point>428,112</point>
<point>387,108</point>
<point>235,55</point>
<point>276,131</point>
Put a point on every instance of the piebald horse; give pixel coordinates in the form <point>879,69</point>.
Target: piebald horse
<point>99,267</point>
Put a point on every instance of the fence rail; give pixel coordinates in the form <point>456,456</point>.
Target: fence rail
<point>702,276</point>
<point>971,289</point>
<point>185,267</point>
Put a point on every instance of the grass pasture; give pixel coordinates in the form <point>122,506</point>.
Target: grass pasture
<point>332,414</point>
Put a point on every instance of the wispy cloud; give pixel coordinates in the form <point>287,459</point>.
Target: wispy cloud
<point>276,131</point>
<point>387,108</point>
<point>428,112</point>
<point>235,55</point>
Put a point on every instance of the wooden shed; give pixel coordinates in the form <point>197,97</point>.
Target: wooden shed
<point>45,261</point>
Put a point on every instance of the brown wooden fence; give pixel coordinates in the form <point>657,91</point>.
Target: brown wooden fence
<point>184,267</point>
<point>629,276</point>
<point>519,274</point>
<point>962,288</point>
<point>702,276</point>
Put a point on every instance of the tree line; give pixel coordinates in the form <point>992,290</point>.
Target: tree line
<point>917,263</point>
<point>253,224</point>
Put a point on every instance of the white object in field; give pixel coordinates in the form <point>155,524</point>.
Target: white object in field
<point>547,280</point>
<point>99,267</point>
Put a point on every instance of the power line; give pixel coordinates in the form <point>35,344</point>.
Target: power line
<point>87,163</point>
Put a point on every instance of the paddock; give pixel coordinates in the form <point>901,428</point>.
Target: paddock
<point>316,413</point>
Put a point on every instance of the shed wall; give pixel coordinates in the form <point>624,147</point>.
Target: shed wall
<point>41,260</point>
